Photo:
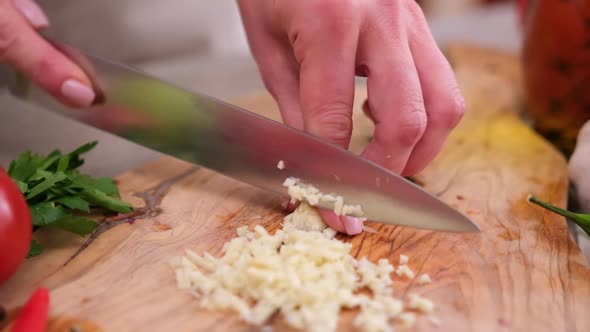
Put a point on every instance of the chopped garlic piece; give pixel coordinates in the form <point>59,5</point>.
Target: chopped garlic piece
<point>281,164</point>
<point>371,317</point>
<point>354,210</point>
<point>306,218</point>
<point>416,302</point>
<point>242,231</point>
<point>404,270</point>
<point>403,259</point>
<point>407,320</point>
<point>289,182</point>
<point>424,279</point>
<point>329,233</point>
<point>198,261</point>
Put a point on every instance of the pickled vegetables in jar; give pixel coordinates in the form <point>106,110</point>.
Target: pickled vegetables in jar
<point>556,68</point>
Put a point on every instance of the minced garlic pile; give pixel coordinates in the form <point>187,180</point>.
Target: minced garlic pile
<point>303,272</point>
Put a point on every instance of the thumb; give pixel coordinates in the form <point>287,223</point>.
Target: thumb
<point>24,49</point>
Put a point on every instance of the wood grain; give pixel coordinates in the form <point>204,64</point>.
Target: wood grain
<point>523,272</point>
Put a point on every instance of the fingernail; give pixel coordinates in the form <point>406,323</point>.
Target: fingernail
<point>77,92</point>
<point>33,13</point>
<point>352,225</point>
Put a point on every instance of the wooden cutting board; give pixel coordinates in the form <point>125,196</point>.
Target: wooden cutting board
<point>523,272</point>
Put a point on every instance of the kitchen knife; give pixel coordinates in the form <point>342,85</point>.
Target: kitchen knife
<point>241,144</point>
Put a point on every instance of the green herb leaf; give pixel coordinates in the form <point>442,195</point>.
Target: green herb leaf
<point>39,175</point>
<point>84,148</point>
<point>582,220</point>
<point>99,198</point>
<point>75,160</point>
<point>50,160</point>
<point>23,187</point>
<point>24,166</point>
<point>62,166</point>
<point>54,153</point>
<point>45,213</point>
<point>57,192</point>
<point>34,249</point>
<point>75,224</point>
<point>74,202</point>
<point>49,182</point>
<point>80,181</point>
<point>106,185</point>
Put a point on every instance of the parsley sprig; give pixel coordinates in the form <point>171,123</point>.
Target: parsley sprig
<point>59,195</point>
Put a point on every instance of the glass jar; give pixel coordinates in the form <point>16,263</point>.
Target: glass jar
<point>556,68</point>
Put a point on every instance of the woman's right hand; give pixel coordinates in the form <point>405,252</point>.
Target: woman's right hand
<point>23,48</point>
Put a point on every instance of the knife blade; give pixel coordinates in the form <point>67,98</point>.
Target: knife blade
<point>240,144</point>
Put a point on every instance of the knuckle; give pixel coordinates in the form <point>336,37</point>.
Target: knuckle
<point>449,114</point>
<point>332,122</point>
<point>411,128</point>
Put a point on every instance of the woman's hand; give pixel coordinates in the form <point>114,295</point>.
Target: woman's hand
<point>309,51</point>
<point>22,47</point>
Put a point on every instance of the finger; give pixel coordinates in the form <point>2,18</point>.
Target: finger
<point>276,65</point>
<point>342,224</point>
<point>279,74</point>
<point>23,48</point>
<point>395,101</point>
<point>326,52</point>
<point>352,225</point>
<point>443,100</point>
<point>32,12</point>
<point>332,220</point>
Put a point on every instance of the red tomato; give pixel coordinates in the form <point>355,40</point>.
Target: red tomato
<point>16,227</point>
